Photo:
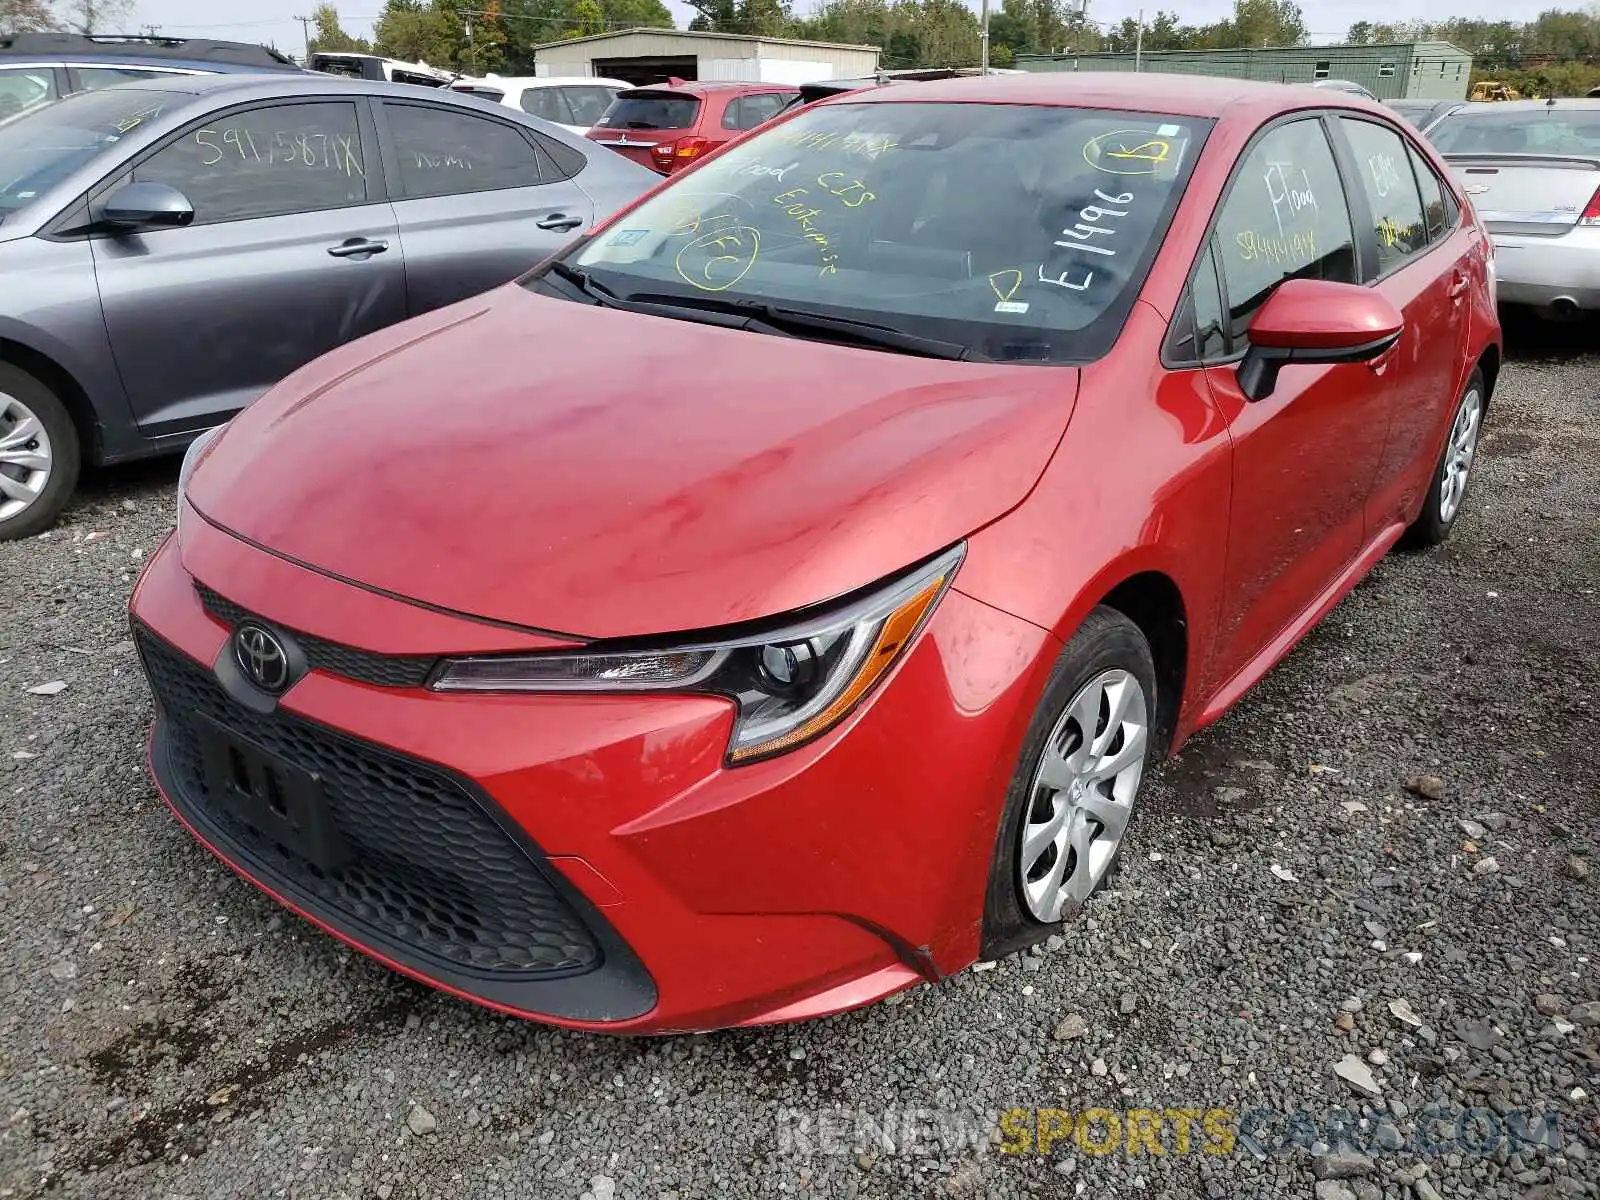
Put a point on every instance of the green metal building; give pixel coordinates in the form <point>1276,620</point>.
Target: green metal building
<point>1395,71</point>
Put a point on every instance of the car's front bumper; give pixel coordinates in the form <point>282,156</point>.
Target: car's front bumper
<point>589,860</point>
<point>1549,271</point>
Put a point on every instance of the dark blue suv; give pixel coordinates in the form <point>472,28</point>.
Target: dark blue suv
<point>36,68</point>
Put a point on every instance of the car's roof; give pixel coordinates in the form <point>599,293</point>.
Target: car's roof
<point>701,87</point>
<point>299,83</point>
<point>1582,103</point>
<point>539,81</point>
<point>1177,95</point>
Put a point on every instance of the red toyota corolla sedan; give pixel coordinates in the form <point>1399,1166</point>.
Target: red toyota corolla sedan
<point>774,601</point>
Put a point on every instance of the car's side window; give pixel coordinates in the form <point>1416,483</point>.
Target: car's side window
<point>542,102</point>
<point>1435,211</point>
<point>746,112</point>
<point>1285,218</point>
<point>22,89</point>
<point>1384,170</point>
<point>265,162</point>
<point>588,104</point>
<point>444,153</point>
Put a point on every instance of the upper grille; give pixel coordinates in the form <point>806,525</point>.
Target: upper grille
<point>428,865</point>
<point>384,670</point>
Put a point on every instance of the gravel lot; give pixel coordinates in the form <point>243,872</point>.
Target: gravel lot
<point>167,1031</point>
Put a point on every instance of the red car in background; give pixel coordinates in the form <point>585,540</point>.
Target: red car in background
<point>670,126</point>
<point>774,600</point>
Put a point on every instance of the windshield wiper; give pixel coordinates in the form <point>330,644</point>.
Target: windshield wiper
<point>606,298</point>
<point>759,317</point>
<point>796,321</point>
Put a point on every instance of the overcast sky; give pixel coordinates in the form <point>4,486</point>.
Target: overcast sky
<point>273,20</point>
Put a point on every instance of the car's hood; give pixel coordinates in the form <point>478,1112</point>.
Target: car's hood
<point>604,474</point>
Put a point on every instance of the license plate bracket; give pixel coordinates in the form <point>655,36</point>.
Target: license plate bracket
<point>277,799</point>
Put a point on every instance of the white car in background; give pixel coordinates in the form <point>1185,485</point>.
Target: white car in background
<point>573,102</point>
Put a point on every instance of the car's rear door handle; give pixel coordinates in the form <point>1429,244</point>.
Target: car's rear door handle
<point>358,247</point>
<point>559,221</point>
<point>1459,285</point>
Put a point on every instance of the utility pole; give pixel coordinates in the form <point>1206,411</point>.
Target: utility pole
<point>983,39</point>
<point>1138,43</point>
<point>305,28</point>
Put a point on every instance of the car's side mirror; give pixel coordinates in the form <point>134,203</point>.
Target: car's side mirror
<point>1315,321</point>
<point>138,206</point>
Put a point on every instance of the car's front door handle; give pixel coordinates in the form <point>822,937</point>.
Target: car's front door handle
<point>559,221</point>
<point>358,247</point>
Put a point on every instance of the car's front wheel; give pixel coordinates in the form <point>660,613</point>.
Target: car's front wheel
<point>1075,785</point>
<point>38,454</point>
<point>1448,488</point>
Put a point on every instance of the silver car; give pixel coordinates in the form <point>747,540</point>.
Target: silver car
<point>1532,170</point>
<point>172,248</point>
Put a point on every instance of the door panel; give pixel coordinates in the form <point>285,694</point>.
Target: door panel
<point>204,319</point>
<point>476,204</point>
<point>1426,250</point>
<point>1304,456</point>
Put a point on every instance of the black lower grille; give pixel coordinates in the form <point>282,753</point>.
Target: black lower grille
<point>425,864</point>
<point>384,670</point>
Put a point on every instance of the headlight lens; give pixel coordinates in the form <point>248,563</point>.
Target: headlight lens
<point>191,459</point>
<point>789,685</point>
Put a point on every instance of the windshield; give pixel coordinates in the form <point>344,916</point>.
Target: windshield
<point>1018,231</point>
<point>43,147</point>
<point>646,110</point>
<point>1552,129</point>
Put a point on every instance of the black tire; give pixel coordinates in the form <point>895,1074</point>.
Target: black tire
<point>1106,640</point>
<point>1431,527</point>
<point>44,404</point>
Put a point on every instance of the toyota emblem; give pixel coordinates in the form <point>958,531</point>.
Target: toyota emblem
<point>261,657</point>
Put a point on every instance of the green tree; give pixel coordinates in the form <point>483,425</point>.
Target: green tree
<point>636,14</point>
<point>1360,34</point>
<point>330,35</point>
<point>1268,23</point>
<point>414,31</point>
<point>587,18</point>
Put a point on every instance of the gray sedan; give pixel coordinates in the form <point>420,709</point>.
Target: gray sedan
<point>1532,170</point>
<point>173,248</point>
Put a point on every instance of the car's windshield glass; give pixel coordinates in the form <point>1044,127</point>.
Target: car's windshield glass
<point>42,147</point>
<point>1018,231</point>
<point>1553,129</point>
<point>646,110</point>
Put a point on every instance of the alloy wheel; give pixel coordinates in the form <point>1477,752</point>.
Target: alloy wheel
<point>25,457</point>
<point>1458,454</point>
<point>1082,794</point>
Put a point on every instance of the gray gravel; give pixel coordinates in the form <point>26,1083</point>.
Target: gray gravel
<point>167,1031</point>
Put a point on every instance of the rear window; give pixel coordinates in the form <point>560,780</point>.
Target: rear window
<point>486,93</point>
<point>651,110</point>
<point>1019,231</point>
<point>1549,129</point>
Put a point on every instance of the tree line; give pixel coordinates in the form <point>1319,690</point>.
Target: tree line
<point>1558,52</point>
<point>479,36</point>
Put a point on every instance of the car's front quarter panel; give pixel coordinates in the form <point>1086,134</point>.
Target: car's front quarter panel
<point>51,307</point>
<point>1140,483</point>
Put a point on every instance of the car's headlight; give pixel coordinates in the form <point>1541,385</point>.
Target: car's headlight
<point>191,459</point>
<point>790,684</point>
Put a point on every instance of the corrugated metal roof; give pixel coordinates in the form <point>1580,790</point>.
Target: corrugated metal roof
<point>701,35</point>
